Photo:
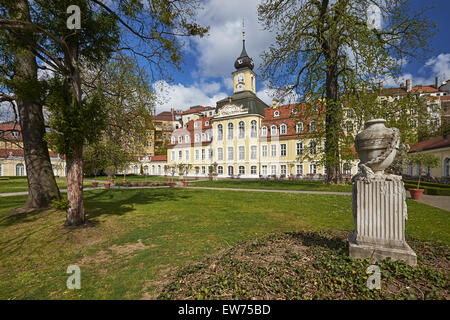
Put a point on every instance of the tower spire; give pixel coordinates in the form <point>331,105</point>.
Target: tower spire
<point>243,30</point>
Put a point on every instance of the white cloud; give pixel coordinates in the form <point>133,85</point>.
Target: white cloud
<point>180,97</point>
<point>218,51</point>
<point>438,66</point>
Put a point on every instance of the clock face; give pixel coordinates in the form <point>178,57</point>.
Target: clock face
<point>240,86</point>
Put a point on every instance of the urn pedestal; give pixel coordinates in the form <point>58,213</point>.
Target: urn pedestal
<point>379,199</point>
<point>379,214</point>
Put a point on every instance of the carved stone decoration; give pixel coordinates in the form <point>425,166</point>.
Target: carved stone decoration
<point>378,199</point>
<point>230,110</point>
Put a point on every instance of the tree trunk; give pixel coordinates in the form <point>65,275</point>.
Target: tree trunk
<point>333,124</point>
<point>42,187</point>
<point>75,214</point>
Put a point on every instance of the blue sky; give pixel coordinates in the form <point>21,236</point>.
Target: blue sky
<point>208,63</point>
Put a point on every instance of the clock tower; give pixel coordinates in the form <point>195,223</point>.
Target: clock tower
<point>244,79</point>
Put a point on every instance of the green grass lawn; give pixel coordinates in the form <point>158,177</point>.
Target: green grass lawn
<point>135,238</point>
<point>306,185</point>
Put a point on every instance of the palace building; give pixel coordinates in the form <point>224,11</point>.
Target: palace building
<point>245,137</point>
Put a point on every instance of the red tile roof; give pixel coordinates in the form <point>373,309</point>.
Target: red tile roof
<point>430,144</point>
<point>424,89</point>
<point>5,153</point>
<point>165,116</point>
<point>6,130</point>
<point>196,110</point>
<point>158,158</point>
<point>445,98</point>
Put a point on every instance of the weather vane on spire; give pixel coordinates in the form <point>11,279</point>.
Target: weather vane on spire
<point>243,30</point>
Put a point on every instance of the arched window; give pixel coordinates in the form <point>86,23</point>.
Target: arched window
<point>220,170</point>
<point>172,140</point>
<point>241,170</point>
<point>219,132</point>
<point>230,131</point>
<point>197,137</point>
<point>20,169</point>
<point>264,131</point>
<point>299,127</point>
<point>273,130</point>
<point>203,137</point>
<point>241,129</point>
<point>159,169</point>
<point>446,167</point>
<point>136,169</point>
<point>145,169</point>
<point>312,126</point>
<point>283,129</point>
<point>230,170</point>
<point>186,138</point>
<point>312,147</point>
<point>180,139</point>
<point>253,129</point>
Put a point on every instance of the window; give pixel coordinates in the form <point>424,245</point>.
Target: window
<point>197,137</point>
<point>230,170</point>
<point>15,134</point>
<point>313,168</point>
<point>253,170</point>
<point>203,170</point>
<point>312,126</point>
<point>349,127</point>
<point>276,113</point>
<point>253,129</point>
<point>153,170</point>
<point>446,167</point>
<point>203,154</point>
<point>253,152</point>
<point>410,170</point>
<point>180,155</point>
<point>294,111</point>
<point>241,153</point>
<point>207,122</point>
<point>186,138</point>
<point>136,169</point>
<point>197,155</point>
<point>264,131</point>
<point>264,170</point>
<point>180,139</point>
<point>299,148</point>
<point>187,155</point>
<point>210,154</point>
<point>219,132</point>
<point>300,169</point>
<point>220,170</point>
<point>283,150</point>
<point>283,169</point>
<point>264,151</point>
<point>230,153</point>
<point>197,170</point>
<point>347,168</point>
<point>273,169</point>
<point>172,140</point>
<point>173,155</point>
<point>283,129</point>
<point>273,130</point>
<point>273,150</point>
<point>299,127</point>
<point>312,148</point>
<point>230,131</point>
<point>203,137</point>
<point>241,170</point>
<point>219,154</point>
<point>195,124</point>
<point>159,169</point>
<point>241,129</point>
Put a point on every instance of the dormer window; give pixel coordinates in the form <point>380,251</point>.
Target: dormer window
<point>206,123</point>
<point>273,130</point>
<point>276,113</point>
<point>15,134</point>
<point>294,111</point>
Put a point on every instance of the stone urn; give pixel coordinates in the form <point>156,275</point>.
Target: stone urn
<point>377,145</point>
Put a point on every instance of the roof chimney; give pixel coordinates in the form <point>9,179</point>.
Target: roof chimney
<point>408,85</point>
<point>274,103</point>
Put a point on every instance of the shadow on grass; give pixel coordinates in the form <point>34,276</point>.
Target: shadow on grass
<point>326,240</point>
<point>112,202</point>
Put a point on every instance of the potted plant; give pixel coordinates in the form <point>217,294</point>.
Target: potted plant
<point>421,161</point>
